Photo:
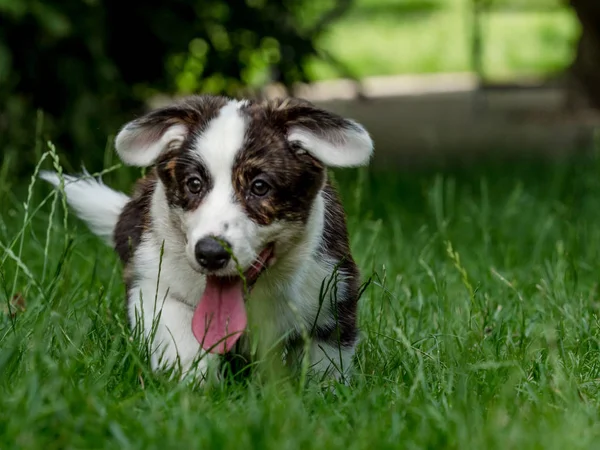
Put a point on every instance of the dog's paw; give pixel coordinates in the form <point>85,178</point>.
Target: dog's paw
<point>201,372</point>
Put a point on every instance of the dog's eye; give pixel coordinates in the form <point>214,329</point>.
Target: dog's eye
<point>194,185</point>
<point>260,188</point>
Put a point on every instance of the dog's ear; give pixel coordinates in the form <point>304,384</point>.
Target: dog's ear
<point>332,139</point>
<point>142,141</point>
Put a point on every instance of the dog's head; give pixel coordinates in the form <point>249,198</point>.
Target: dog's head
<point>241,177</point>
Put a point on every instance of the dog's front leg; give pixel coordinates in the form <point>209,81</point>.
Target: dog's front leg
<point>168,331</point>
<point>331,360</point>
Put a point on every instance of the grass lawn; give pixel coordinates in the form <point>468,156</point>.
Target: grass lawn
<point>480,327</point>
<point>389,37</point>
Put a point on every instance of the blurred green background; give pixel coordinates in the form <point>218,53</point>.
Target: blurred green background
<point>388,37</point>
<point>75,70</point>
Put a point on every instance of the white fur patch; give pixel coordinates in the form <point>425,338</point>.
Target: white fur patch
<point>220,214</point>
<point>155,304</point>
<point>222,139</point>
<point>354,147</point>
<point>331,360</point>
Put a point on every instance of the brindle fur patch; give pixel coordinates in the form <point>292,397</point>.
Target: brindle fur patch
<point>174,169</point>
<point>178,165</point>
<point>293,112</point>
<point>295,176</point>
<point>134,220</point>
<point>335,246</point>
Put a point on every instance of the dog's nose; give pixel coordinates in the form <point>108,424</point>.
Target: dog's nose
<point>211,255</point>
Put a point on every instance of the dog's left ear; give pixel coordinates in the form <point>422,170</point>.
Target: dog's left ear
<point>332,139</point>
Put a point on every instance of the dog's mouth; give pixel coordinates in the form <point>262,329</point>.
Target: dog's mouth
<point>220,317</point>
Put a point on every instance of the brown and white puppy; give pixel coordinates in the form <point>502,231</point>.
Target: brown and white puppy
<point>239,220</point>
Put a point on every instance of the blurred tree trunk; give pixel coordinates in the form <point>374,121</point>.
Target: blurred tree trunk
<point>586,67</point>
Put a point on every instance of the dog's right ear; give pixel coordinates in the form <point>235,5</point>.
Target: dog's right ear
<point>142,141</point>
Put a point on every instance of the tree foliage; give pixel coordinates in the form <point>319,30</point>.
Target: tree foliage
<point>90,64</point>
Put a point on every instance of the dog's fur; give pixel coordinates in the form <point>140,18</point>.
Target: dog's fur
<point>227,145</point>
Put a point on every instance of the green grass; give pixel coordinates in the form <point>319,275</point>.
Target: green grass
<point>389,37</point>
<point>480,327</point>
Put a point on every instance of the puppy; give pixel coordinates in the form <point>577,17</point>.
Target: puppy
<point>234,231</point>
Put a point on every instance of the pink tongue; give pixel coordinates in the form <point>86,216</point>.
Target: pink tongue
<point>220,317</point>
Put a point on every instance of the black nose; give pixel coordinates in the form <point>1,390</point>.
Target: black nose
<point>211,255</point>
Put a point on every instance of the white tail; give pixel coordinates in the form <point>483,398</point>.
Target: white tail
<point>95,203</point>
